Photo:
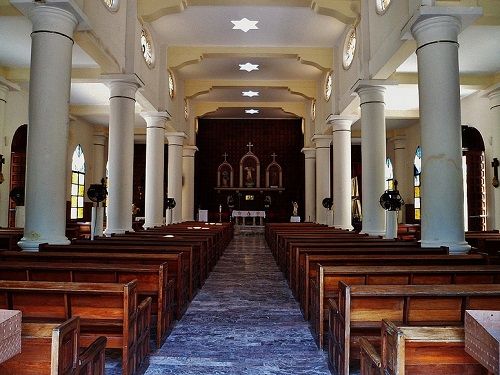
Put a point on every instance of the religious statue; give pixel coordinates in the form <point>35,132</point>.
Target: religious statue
<point>225,179</point>
<point>295,208</point>
<point>249,182</point>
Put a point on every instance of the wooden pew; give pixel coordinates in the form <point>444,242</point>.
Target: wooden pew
<point>54,349</point>
<point>309,270</point>
<point>177,269</point>
<point>418,350</point>
<point>198,269</point>
<point>152,281</point>
<point>9,237</point>
<point>299,253</point>
<point>361,308</point>
<point>105,310</point>
<point>325,285</point>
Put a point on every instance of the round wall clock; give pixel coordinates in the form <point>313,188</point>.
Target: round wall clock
<point>328,86</point>
<point>349,48</point>
<point>147,48</point>
<point>171,85</point>
<point>382,5</point>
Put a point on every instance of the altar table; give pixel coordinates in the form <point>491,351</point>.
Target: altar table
<point>253,214</point>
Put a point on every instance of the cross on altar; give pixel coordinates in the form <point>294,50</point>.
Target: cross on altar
<point>274,157</point>
<point>225,156</point>
<point>249,145</point>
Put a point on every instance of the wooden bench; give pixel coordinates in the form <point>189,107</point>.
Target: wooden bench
<point>9,237</point>
<point>197,263</point>
<point>361,308</point>
<point>108,310</point>
<point>325,285</point>
<point>418,350</point>
<point>54,349</point>
<point>152,281</point>
<point>177,269</point>
<point>308,271</point>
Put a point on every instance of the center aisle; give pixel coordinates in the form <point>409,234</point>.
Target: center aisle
<point>243,321</point>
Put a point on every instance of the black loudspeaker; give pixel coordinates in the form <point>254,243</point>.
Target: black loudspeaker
<point>328,203</point>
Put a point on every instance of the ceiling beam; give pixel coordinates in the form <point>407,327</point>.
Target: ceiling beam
<point>346,11</point>
<point>472,81</point>
<point>20,75</point>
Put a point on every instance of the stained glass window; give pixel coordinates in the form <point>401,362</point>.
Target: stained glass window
<point>147,48</point>
<point>349,48</point>
<point>382,5</point>
<point>77,183</point>
<point>111,4</point>
<point>389,175</point>
<point>417,170</point>
<point>328,86</point>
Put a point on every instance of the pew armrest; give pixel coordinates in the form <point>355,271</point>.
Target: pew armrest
<point>371,363</point>
<point>92,359</point>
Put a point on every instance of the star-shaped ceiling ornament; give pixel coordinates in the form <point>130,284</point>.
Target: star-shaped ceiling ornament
<point>250,93</point>
<point>249,67</point>
<point>244,25</point>
<point>251,111</point>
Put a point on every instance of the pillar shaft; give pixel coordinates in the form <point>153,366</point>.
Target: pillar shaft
<point>342,203</point>
<point>494,98</point>
<point>373,154</point>
<point>322,176</point>
<point>121,152</point>
<point>310,182</point>
<point>175,141</point>
<point>99,143</point>
<point>440,123</point>
<point>401,173</point>
<point>188,153</point>
<point>155,167</point>
<point>4,192</point>
<point>50,80</point>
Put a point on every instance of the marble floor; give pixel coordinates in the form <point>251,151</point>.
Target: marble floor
<point>243,321</point>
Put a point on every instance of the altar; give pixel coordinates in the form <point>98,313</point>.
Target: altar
<point>240,216</point>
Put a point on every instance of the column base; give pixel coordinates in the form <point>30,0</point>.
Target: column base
<point>153,225</point>
<point>32,245</point>
<point>108,232</point>
<point>455,248</point>
<point>343,226</point>
<point>373,233</point>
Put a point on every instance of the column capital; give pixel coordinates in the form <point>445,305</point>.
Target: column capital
<point>189,151</point>
<point>99,138</point>
<point>30,7</point>
<point>399,141</point>
<point>493,94</point>
<point>155,119</point>
<point>322,140</point>
<point>122,85</point>
<point>309,152</point>
<point>341,123</point>
<point>175,138</point>
<point>372,90</point>
<point>435,23</point>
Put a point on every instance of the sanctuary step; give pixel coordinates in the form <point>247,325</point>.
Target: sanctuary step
<point>243,321</point>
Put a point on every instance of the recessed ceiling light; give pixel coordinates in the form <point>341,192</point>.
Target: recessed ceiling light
<point>244,25</point>
<point>249,67</point>
<point>250,93</point>
<point>251,111</point>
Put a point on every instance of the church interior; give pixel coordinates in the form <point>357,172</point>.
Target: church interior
<point>249,187</point>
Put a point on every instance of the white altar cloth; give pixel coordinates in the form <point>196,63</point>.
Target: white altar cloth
<point>237,213</point>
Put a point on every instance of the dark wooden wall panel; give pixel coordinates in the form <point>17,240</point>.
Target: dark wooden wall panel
<point>283,137</point>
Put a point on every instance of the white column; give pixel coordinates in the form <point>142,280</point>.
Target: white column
<point>342,203</point>
<point>403,173</point>
<point>188,186</point>
<point>155,167</point>
<point>440,124</point>
<point>322,175</point>
<point>373,154</point>
<point>121,151</point>
<point>494,97</point>
<point>4,187</point>
<point>310,182</point>
<point>175,141</point>
<point>50,80</point>
<point>99,143</point>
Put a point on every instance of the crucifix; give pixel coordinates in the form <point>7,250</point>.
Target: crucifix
<point>225,156</point>
<point>495,164</point>
<point>249,145</point>
<point>274,157</point>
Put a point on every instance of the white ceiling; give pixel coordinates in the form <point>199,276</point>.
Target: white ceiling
<point>286,26</point>
<point>278,26</point>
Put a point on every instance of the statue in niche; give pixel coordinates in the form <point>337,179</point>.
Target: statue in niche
<point>249,181</point>
<point>295,208</point>
<point>225,178</point>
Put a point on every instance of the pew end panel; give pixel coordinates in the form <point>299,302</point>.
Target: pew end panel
<point>370,361</point>
<point>92,359</point>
